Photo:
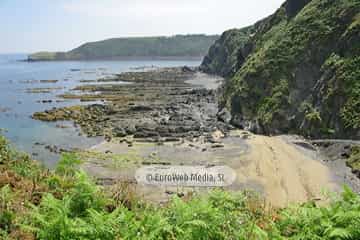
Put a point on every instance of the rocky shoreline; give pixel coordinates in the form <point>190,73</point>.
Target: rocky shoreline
<point>161,115</point>
<point>156,105</point>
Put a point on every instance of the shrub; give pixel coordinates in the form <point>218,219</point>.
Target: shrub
<point>339,220</point>
<point>6,215</point>
<point>68,164</point>
<point>4,150</point>
<point>85,195</point>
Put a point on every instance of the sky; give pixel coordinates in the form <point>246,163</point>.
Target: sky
<point>61,25</point>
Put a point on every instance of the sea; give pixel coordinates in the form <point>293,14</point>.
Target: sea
<point>18,101</point>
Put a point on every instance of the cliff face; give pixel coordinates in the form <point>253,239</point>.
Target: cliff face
<point>222,58</point>
<point>300,71</point>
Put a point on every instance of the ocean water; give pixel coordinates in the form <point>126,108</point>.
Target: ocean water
<point>17,104</point>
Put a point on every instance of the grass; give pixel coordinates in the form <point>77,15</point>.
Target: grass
<point>114,161</point>
<point>354,160</point>
<point>68,205</point>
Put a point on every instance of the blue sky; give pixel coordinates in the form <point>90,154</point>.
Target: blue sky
<point>60,25</point>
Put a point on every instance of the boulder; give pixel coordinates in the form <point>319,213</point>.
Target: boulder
<point>224,115</point>
<point>119,132</point>
<point>146,134</point>
<point>130,129</point>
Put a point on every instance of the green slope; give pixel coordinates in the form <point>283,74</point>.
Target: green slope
<point>301,72</point>
<point>222,57</point>
<point>175,46</point>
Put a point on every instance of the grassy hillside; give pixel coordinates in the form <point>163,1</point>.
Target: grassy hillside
<point>301,73</point>
<point>176,46</point>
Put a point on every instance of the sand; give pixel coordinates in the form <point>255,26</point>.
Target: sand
<point>286,174</point>
<point>279,170</point>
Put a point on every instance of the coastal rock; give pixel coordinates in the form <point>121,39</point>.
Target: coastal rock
<point>2,110</point>
<point>294,6</point>
<point>224,115</point>
<point>49,81</point>
<point>247,125</point>
<point>146,134</point>
<point>223,54</point>
<point>187,69</point>
<point>141,108</point>
<point>119,132</point>
<point>174,108</point>
<point>281,77</point>
<point>217,145</point>
<point>130,129</point>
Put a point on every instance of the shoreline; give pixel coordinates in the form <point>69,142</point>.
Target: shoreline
<point>302,174</point>
<point>120,58</point>
<point>167,116</point>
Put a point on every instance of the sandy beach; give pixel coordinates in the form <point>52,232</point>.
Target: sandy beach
<point>279,170</point>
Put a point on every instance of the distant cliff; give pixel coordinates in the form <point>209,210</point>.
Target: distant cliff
<point>298,72</point>
<point>175,46</point>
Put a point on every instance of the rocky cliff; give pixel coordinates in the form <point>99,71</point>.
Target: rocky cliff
<point>299,71</point>
<point>222,57</point>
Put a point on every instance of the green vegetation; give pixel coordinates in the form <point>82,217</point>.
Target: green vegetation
<point>348,71</point>
<point>112,160</point>
<point>271,105</point>
<point>175,46</point>
<point>222,57</point>
<point>354,160</point>
<point>307,51</point>
<point>43,55</point>
<point>66,204</point>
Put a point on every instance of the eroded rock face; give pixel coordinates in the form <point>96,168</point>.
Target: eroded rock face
<point>223,55</point>
<point>224,115</point>
<point>294,6</point>
<point>293,76</point>
<point>247,124</point>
